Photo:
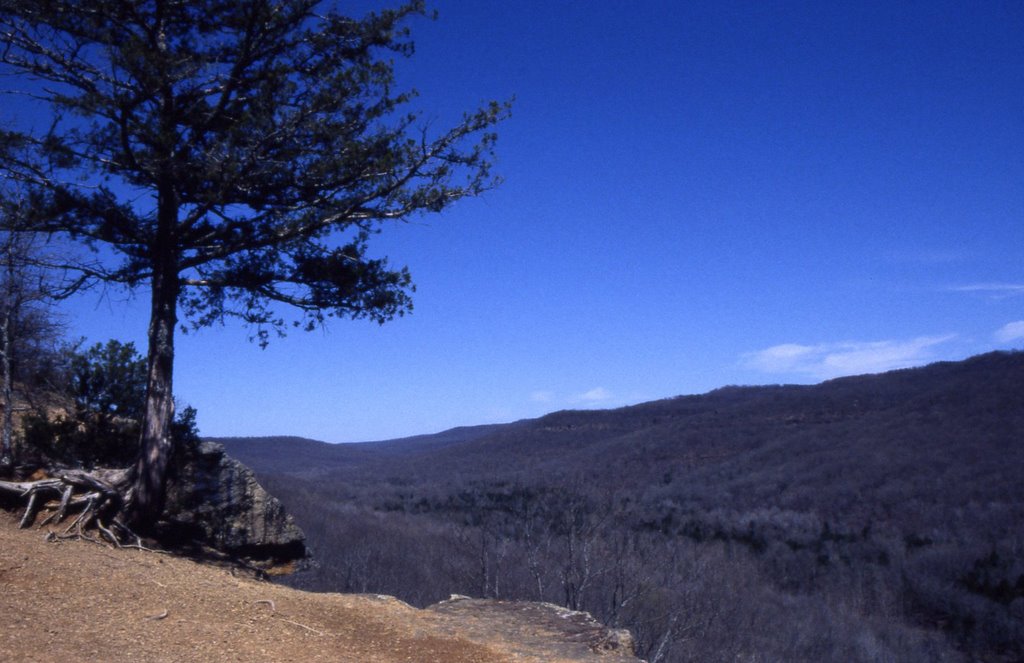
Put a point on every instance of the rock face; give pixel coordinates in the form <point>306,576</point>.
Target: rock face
<point>564,634</point>
<point>216,501</point>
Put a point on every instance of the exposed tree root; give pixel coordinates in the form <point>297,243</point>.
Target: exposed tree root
<point>92,502</point>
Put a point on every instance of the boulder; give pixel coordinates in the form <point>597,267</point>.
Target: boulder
<point>215,501</point>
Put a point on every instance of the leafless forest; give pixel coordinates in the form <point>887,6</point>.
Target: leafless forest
<point>875,518</point>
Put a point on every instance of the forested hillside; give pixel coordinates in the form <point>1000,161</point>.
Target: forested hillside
<point>867,518</point>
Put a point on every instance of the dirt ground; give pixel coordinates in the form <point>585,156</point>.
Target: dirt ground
<point>78,601</point>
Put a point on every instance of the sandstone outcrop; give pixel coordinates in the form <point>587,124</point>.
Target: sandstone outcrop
<point>566,634</point>
<point>214,500</point>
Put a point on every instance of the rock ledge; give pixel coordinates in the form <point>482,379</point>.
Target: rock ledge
<point>215,500</point>
<point>571,635</point>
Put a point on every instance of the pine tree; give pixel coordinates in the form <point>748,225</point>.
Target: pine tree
<point>234,157</point>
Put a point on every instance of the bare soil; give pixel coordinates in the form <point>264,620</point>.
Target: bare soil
<point>76,601</point>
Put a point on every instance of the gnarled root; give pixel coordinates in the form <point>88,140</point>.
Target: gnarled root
<point>95,500</point>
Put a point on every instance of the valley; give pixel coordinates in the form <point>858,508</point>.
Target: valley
<point>867,518</point>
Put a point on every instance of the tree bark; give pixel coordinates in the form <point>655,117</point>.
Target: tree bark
<point>156,445</point>
<point>6,319</point>
<point>6,453</point>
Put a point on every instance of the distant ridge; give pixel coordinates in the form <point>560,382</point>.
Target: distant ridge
<point>665,428</point>
<point>308,458</point>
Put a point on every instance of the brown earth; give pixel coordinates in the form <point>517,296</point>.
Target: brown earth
<point>77,601</point>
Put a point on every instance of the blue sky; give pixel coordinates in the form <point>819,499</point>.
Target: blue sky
<point>696,194</point>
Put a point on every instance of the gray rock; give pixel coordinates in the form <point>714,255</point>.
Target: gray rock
<point>214,500</point>
<point>542,629</point>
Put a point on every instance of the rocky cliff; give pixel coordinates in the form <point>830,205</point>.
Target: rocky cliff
<point>214,500</point>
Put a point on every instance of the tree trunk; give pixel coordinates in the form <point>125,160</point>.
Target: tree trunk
<point>156,445</point>
<point>8,314</point>
<point>6,453</point>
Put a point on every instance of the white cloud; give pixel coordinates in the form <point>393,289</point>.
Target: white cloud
<point>829,360</point>
<point>1013,331</point>
<point>781,358</point>
<point>595,395</point>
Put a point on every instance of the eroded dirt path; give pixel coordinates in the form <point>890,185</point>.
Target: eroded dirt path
<point>73,601</point>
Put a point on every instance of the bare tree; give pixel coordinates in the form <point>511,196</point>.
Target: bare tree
<point>28,325</point>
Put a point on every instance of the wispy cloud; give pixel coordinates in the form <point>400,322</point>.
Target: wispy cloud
<point>829,360</point>
<point>595,395</point>
<point>998,290</point>
<point>1012,331</point>
<point>542,396</point>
